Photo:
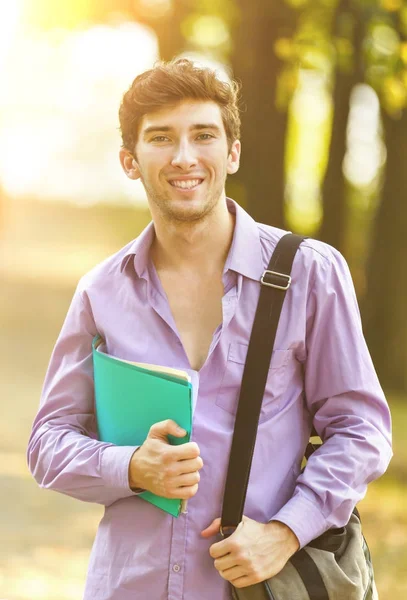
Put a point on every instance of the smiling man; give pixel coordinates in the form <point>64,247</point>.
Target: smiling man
<point>184,294</point>
<point>198,169</point>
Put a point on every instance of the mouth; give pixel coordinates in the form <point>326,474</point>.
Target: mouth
<point>186,185</point>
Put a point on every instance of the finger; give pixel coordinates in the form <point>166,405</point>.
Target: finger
<point>225,562</point>
<point>227,545</point>
<point>187,451</point>
<point>220,549</point>
<point>188,466</point>
<point>244,581</point>
<point>233,574</point>
<point>184,452</point>
<point>161,429</point>
<point>186,492</point>
<point>187,479</point>
<point>213,529</point>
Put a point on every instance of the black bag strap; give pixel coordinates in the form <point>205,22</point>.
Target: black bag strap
<point>275,282</point>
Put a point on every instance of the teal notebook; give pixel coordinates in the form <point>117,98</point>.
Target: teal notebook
<point>130,397</point>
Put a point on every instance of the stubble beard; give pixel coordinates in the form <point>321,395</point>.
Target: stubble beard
<point>173,213</point>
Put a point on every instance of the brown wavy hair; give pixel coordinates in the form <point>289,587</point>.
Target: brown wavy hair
<point>169,83</point>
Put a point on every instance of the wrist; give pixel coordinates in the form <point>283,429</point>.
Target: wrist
<point>134,481</point>
<point>286,535</point>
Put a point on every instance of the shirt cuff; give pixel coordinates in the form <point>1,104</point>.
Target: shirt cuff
<point>304,518</point>
<point>115,467</point>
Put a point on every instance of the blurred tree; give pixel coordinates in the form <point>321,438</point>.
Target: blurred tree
<point>384,305</point>
<point>257,65</point>
<point>348,37</point>
<point>166,19</point>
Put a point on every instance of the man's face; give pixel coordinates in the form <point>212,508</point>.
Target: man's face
<point>183,160</point>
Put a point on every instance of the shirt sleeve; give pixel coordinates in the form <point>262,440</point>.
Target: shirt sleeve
<point>345,399</point>
<point>64,453</point>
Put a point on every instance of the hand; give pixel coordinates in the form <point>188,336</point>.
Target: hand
<point>254,552</point>
<point>163,469</point>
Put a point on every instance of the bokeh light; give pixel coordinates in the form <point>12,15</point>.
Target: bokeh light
<point>309,119</point>
<point>59,135</point>
<point>366,151</point>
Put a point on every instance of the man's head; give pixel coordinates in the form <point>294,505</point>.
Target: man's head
<point>170,83</point>
<point>180,127</point>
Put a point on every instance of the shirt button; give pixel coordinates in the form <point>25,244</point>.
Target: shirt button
<point>176,568</point>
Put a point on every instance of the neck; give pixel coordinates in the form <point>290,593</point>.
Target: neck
<point>200,246</point>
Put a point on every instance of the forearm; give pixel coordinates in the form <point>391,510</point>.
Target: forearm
<point>335,480</point>
<point>63,459</point>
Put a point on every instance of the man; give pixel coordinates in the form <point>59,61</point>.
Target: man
<point>184,294</point>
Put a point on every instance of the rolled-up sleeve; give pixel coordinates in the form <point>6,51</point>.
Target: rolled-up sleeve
<point>349,409</point>
<point>64,453</point>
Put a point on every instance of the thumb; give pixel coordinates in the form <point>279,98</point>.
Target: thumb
<point>213,529</point>
<point>161,429</point>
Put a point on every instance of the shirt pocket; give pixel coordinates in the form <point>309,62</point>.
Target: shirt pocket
<point>228,395</point>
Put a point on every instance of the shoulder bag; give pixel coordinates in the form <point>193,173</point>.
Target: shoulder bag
<point>335,566</point>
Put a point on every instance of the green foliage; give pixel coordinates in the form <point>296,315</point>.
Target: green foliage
<point>207,32</point>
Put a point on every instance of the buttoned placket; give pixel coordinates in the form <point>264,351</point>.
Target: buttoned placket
<point>176,563</point>
<point>177,557</point>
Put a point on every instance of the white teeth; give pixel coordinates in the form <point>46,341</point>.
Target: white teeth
<point>185,184</point>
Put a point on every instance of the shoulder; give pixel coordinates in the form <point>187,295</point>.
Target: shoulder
<point>317,265</point>
<point>312,253</point>
<point>106,273</point>
<point>321,257</point>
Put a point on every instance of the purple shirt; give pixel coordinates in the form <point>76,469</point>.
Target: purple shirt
<point>320,366</point>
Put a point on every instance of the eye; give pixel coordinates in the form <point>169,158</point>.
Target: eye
<point>205,136</point>
<point>159,138</point>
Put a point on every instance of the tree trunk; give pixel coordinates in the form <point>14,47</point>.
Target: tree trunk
<point>255,64</point>
<point>167,28</point>
<point>334,204</point>
<point>168,31</point>
<point>385,314</point>
<point>334,186</point>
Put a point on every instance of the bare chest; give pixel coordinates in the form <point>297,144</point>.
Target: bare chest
<point>196,307</point>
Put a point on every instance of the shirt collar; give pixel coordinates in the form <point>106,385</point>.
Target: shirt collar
<point>139,250</point>
<point>245,256</point>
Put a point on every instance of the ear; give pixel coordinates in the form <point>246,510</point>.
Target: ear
<point>129,164</point>
<point>234,158</point>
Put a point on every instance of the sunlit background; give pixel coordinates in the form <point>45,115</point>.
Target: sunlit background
<point>65,204</point>
<point>62,79</point>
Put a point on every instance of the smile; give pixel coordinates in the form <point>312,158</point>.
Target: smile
<point>186,184</point>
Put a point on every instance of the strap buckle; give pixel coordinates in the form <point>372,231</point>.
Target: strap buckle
<point>287,279</point>
<point>225,533</point>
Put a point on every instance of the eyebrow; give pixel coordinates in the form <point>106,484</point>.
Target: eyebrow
<point>194,127</point>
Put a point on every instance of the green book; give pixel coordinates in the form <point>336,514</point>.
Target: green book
<point>130,397</point>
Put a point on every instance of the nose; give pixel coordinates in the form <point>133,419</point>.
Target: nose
<point>184,156</point>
